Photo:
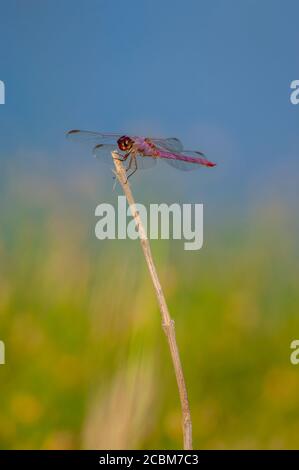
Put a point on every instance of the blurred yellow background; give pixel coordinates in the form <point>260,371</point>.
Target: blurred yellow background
<point>87,363</point>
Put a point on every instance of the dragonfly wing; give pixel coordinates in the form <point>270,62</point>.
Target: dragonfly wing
<point>90,137</point>
<point>182,166</point>
<point>103,152</point>
<point>188,160</point>
<point>145,162</point>
<point>172,144</point>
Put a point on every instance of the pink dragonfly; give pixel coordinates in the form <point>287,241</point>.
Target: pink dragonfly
<point>141,152</point>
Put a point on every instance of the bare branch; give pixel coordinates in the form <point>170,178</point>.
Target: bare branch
<point>167,322</point>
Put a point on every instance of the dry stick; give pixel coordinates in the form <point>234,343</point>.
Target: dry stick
<point>167,322</point>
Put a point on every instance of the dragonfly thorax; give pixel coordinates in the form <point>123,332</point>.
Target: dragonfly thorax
<point>125,143</point>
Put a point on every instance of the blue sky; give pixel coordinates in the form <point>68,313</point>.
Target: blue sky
<point>216,74</point>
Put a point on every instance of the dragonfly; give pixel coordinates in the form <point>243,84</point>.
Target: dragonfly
<point>141,152</point>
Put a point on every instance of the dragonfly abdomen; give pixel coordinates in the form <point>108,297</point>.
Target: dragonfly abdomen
<point>188,159</point>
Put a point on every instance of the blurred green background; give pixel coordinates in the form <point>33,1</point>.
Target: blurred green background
<point>87,363</point>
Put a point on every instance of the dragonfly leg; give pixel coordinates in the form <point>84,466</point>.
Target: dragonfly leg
<point>130,164</point>
<point>123,158</point>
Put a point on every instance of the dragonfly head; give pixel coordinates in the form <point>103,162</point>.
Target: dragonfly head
<point>125,143</point>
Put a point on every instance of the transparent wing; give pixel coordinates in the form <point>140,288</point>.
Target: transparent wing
<point>90,137</point>
<point>172,144</point>
<point>188,160</point>
<point>145,162</point>
<point>103,152</point>
<point>182,166</point>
